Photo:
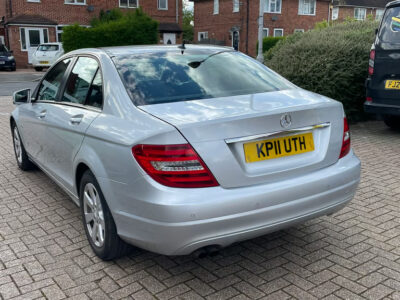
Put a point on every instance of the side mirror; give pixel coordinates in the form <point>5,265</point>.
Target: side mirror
<point>22,96</point>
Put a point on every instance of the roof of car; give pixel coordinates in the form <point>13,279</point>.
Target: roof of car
<point>393,3</point>
<point>127,50</point>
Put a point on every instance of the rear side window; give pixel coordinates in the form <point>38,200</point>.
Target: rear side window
<point>51,83</point>
<point>79,81</point>
<point>172,76</point>
<point>390,28</point>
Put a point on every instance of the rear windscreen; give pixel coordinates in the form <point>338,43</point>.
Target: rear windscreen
<point>153,78</point>
<point>390,29</point>
<point>48,48</point>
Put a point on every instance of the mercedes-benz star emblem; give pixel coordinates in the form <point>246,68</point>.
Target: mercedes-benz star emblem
<point>286,121</point>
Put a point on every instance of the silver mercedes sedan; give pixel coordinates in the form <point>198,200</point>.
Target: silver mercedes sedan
<point>183,149</point>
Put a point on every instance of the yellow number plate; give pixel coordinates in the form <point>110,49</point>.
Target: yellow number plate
<point>44,62</point>
<point>279,147</point>
<point>392,84</point>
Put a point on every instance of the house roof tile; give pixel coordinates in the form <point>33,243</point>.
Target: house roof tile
<point>31,20</point>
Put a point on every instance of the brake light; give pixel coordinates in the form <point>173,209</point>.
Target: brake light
<point>369,99</point>
<point>346,139</point>
<point>371,62</point>
<point>174,165</point>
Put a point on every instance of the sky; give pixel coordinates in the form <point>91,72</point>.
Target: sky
<point>188,4</point>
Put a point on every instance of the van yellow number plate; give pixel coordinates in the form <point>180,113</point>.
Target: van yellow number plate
<point>278,147</point>
<point>392,84</point>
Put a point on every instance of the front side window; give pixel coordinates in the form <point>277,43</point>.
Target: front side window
<point>163,77</point>
<point>51,83</point>
<point>273,6</point>
<point>216,7</point>
<point>360,13</point>
<point>77,2</point>
<point>128,3</point>
<point>163,4</point>
<point>307,7</point>
<point>379,14</point>
<point>79,80</point>
<point>236,6</point>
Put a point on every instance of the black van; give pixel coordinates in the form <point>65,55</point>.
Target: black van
<point>383,83</point>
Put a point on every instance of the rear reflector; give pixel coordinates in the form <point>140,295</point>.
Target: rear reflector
<point>174,165</point>
<point>369,99</point>
<point>371,63</point>
<point>346,139</point>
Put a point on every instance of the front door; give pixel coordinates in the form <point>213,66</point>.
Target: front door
<point>34,37</point>
<point>169,38</point>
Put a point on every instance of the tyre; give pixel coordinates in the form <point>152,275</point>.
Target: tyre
<point>13,69</point>
<point>20,154</point>
<point>392,121</point>
<point>38,69</point>
<point>98,222</point>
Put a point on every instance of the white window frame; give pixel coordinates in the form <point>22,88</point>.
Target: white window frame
<point>268,4</point>
<point>376,13</point>
<point>302,4</point>
<point>41,36</point>
<point>162,8</point>
<point>298,30</point>
<point>278,29</point>
<point>75,2</point>
<point>127,6</point>
<point>266,30</point>
<point>335,12</point>
<point>216,7</point>
<point>360,9</point>
<point>2,39</point>
<point>236,6</point>
<point>205,33</point>
<point>33,1</point>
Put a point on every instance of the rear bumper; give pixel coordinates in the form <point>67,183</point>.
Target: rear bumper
<point>180,221</point>
<point>382,109</point>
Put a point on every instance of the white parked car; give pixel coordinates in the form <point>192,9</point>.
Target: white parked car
<point>46,54</point>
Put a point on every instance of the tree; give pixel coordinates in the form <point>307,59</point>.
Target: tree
<point>188,30</point>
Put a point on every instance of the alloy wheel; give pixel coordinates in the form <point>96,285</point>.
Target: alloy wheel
<point>94,214</point>
<point>17,145</point>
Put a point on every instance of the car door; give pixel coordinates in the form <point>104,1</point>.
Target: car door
<point>70,116</point>
<point>32,116</point>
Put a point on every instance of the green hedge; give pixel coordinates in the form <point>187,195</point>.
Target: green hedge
<point>330,61</point>
<point>269,42</point>
<point>113,29</point>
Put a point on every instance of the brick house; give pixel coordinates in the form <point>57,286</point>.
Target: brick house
<point>26,23</point>
<point>234,22</point>
<point>358,9</point>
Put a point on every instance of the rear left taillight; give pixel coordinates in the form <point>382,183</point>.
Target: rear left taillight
<point>371,62</point>
<point>346,139</point>
<point>174,165</point>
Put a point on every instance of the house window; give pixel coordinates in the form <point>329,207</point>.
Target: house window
<point>278,32</point>
<point>128,3</point>
<point>335,13</point>
<point>265,32</point>
<point>1,39</point>
<point>202,36</point>
<point>236,5</point>
<point>307,7</point>
<point>37,1</point>
<point>75,2</point>
<point>379,14</point>
<point>273,6</point>
<point>163,4</point>
<point>298,30</point>
<point>22,38</point>
<point>360,13</point>
<point>216,7</point>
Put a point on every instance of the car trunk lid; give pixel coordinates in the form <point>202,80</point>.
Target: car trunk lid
<point>219,129</point>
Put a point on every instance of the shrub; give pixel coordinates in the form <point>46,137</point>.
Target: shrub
<point>116,29</point>
<point>269,42</point>
<point>331,61</point>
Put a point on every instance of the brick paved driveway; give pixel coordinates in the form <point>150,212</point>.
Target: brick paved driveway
<point>352,255</point>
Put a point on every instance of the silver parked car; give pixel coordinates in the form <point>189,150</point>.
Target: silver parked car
<point>183,149</point>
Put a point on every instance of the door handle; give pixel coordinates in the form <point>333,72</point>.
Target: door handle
<point>76,120</point>
<point>42,114</point>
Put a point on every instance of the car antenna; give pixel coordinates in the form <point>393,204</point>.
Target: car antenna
<point>182,47</point>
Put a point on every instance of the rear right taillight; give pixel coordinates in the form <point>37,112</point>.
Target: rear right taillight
<point>174,165</point>
<point>371,62</point>
<point>346,139</point>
